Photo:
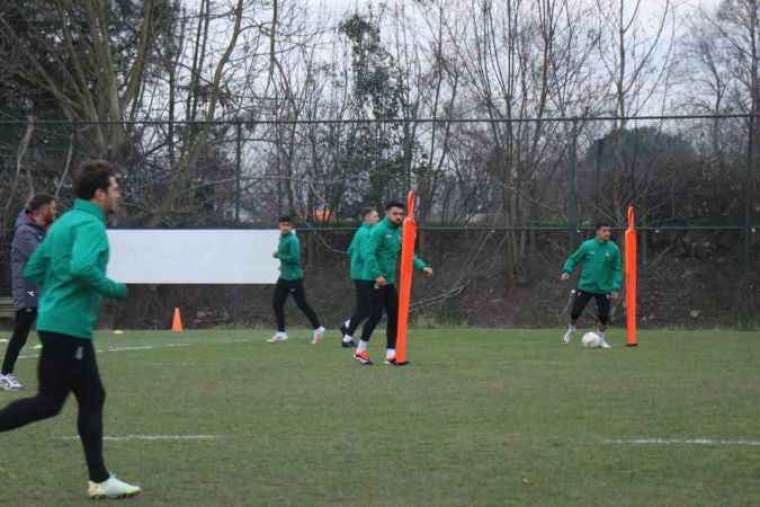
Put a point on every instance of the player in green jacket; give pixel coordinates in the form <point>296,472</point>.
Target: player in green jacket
<point>363,281</point>
<point>291,282</point>
<point>601,278</point>
<point>381,256</point>
<point>69,266</point>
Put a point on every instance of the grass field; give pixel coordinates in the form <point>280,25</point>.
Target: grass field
<point>481,417</point>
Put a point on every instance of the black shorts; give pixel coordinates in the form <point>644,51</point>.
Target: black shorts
<point>602,305</point>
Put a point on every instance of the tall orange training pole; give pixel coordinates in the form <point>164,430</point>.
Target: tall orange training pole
<point>631,276</point>
<point>408,239</point>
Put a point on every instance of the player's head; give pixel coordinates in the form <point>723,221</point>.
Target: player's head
<point>43,209</point>
<point>370,215</point>
<point>96,182</point>
<point>286,223</point>
<point>603,230</point>
<point>394,210</point>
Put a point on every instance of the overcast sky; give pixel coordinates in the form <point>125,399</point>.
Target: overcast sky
<point>341,6</point>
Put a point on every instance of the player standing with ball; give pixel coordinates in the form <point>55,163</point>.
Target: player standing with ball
<point>601,278</point>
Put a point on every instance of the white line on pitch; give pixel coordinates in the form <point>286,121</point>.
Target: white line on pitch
<point>153,437</point>
<point>683,441</point>
<point>124,349</point>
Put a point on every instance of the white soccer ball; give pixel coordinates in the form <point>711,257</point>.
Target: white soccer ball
<point>591,340</point>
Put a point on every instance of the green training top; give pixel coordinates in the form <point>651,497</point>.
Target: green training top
<point>602,270</point>
<point>382,251</point>
<point>358,265</point>
<point>70,267</point>
<point>289,253</point>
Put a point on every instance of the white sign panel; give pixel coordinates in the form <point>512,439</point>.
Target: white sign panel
<point>161,256</point>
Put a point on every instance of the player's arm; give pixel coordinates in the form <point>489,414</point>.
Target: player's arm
<point>369,248</point>
<point>291,253</point>
<point>572,261</point>
<point>89,244</point>
<point>36,267</point>
<point>421,265</point>
<point>617,274</point>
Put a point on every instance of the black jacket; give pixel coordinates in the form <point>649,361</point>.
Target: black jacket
<point>26,239</point>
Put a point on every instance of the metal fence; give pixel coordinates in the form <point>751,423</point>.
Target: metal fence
<point>520,191</point>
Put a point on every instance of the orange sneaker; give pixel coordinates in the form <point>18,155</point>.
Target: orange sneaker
<point>363,358</point>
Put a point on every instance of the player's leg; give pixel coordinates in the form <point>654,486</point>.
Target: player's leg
<point>603,310</point>
<point>299,295</point>
<point>377,303</point>
<point>52,370</point>
<point>280,296</point>
<point>22,326</point>
<point>390,300</point>
<point>361,312</point>
<point>88,389</point>
<point>580,301</point>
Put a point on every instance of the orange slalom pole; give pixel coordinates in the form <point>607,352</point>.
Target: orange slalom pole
<point>408,240</point>
<point>631,277</point>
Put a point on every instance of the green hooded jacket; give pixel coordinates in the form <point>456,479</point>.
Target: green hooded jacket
<point>358,265</point>
<point>381,253</point>
<point>602,270</point>
<point>70,267</point>
<point>289,253</point>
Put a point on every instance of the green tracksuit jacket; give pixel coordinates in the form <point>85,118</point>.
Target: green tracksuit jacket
<point>381,253</point>
<point>289,253</point>
<point>358,265</point>
<point>602,270</point>
<point>70,267</point>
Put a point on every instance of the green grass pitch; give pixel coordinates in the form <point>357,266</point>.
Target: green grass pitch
<point>480,418</point>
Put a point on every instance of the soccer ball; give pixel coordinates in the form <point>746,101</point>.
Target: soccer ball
<point>591,340</point>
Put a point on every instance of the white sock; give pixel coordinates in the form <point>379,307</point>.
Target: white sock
<point>281,334</point>
<point>348,338</point>
<point>362,346</point>
<point>390,354</point>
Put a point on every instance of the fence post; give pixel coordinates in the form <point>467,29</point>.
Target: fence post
<point>745,317</point>
<point>573,205</point>
<point>238,168</point>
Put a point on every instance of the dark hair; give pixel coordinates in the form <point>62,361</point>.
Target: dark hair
<point>286,219</point>
<point>394,204</point>
<point>366,211</point>
<point>602,223</point>
<point>38,201</point>
<point>92,175</point>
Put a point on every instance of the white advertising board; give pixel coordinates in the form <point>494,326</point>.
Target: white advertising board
<point>170,256</point>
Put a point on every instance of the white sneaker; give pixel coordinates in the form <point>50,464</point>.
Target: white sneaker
<point>10,383</point>
<point>112,488</point>
<point>278,337</point>
<point>316,337</point>
<point>604,343</point>
<point>568,336</point>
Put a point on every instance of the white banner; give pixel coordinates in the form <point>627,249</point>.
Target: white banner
<point>163,256</point>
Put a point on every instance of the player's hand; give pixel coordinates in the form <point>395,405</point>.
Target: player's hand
<point>428,271</point>
<point>615,296</point>
<point>380,281</point>
<point>565,277</point>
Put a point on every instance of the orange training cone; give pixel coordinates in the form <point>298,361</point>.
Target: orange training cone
<point>177,321</point>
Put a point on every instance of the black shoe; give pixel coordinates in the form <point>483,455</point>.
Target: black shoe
<point>348,345</point>
<point>393,362</point>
